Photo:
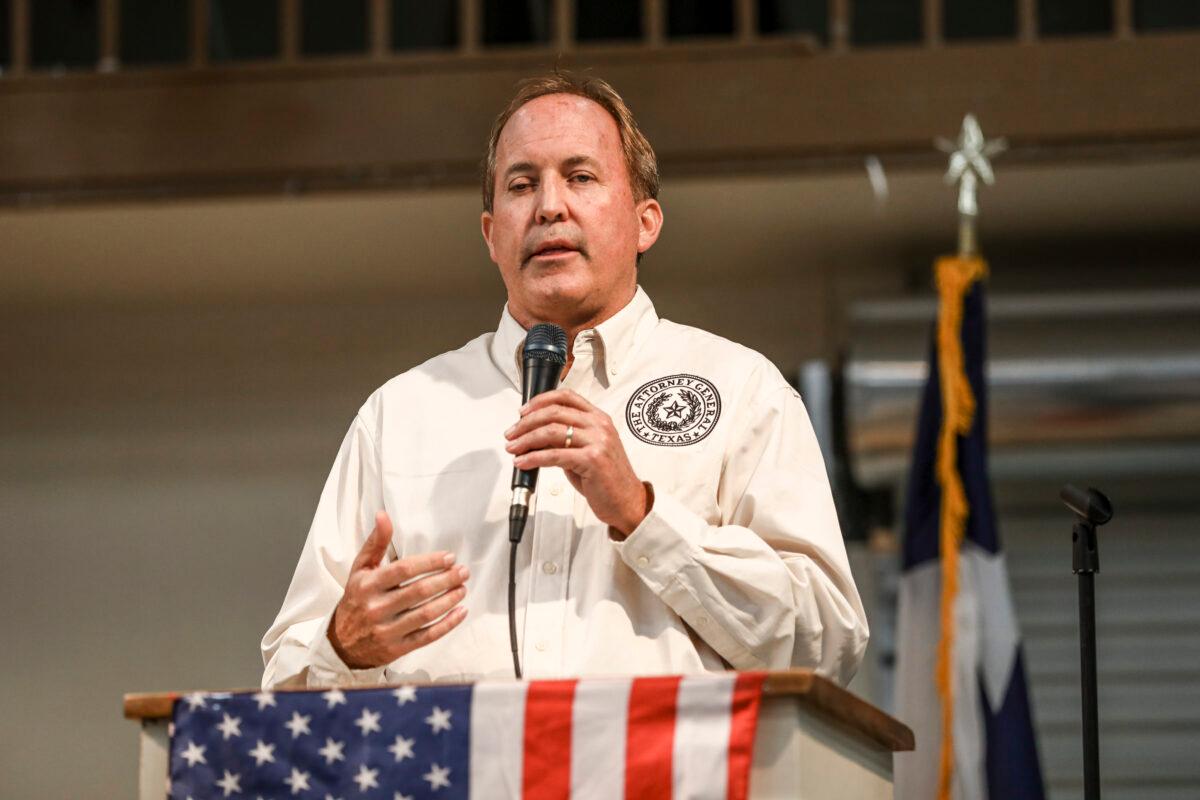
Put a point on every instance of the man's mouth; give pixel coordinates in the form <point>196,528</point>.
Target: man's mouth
<point>555,248</point>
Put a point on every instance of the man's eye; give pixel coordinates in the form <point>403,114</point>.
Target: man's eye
<point>582,178</point>
<point>520,186</point>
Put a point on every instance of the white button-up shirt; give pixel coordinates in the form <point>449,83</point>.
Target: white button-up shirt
<point>740,563</point>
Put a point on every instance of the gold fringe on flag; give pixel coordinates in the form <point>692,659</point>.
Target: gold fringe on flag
<point>954,276</point>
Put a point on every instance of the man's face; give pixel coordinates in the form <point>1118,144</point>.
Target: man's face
<point>564,228</point>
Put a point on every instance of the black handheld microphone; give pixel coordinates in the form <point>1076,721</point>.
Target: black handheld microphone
<point>543,358</point>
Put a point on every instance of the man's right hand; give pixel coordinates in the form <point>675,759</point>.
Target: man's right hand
<point>378,620</point>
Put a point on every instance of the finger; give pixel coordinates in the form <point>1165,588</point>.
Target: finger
<point>425,613</point>
<point>417,592</point>
<point>564,397</point>
<point>547,416</point>
<point>572,460</point>
<point>409,567</point>
<point>376,545</point>
<point>548,436</point>
<point>431,633</point>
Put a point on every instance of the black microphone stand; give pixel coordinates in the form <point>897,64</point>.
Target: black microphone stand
<point>1092,509</point>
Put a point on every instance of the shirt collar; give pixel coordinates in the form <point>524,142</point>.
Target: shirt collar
<point>619,336</point>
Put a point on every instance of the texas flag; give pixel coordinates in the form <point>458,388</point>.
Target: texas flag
<point>958,647</point>
<point>644,738</point>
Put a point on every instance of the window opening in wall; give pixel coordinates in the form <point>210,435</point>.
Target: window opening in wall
<point>794,16</point>
<point>154,31</point>
<point>243,29</point>
<point>608,20</point>
<point>333,27</point>
<point>516,22</point>
<point>1074,17</point>
<point>5,36</point>
<point>979,19</point>
<point>882,22</point>
<point>1150,15</point>
<point>688,18</point>
<point>422,25</point>
<point>65,33</point>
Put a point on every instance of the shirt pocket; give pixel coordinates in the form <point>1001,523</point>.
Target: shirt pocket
<point>460,511</point>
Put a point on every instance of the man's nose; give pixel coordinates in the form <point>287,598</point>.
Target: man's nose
<point>552,206</point>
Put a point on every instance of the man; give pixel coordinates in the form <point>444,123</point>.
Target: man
<point>683,520</point>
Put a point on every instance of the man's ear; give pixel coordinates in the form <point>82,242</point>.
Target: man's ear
<point>485,225</point>
<point>650,222</point>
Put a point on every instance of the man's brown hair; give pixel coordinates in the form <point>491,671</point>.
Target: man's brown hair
<point>639,155</point>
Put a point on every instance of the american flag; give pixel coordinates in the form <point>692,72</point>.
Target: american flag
<point>636,738</point>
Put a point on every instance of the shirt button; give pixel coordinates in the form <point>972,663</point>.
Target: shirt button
<point>701,621</point>
<point>541,646</point>
<point>556,489</point>
<point>549,567</point>
<point>643,561</point>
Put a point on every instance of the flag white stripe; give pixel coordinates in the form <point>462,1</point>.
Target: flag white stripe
<point>700,761</point>
<point>497,740</point>
<point>598,728</point>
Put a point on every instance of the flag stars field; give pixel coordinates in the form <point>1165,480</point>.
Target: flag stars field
<point>334,697</point>
<point>405,694</point>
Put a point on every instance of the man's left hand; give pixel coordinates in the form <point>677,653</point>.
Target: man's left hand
<point>595,463</point>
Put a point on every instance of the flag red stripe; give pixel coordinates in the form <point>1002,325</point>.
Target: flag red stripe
<point>650,738</point>
<point>546,774</point>
<point>747,694</point>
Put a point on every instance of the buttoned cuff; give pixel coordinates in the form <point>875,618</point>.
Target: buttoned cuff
<point>326,668</point>
<point>665,553</point>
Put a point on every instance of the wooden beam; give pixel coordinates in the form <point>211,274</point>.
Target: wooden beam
<point>746,20</point>
<point>201,21</point>
<point>290,33</point>
<point>470,26</point>
<point>654,22</point>
<point>1123,19</point>
<point>839,25</point>
<point>110,36</point>
<point>1027,23</point>
<point>380,29</point>
<point>931,22</point>
<point>19,36</point>
<point>153,130</point>
<point>563,25</point>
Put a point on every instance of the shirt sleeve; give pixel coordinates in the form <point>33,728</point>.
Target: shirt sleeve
<point>770,586</point>
<point>296,651</point>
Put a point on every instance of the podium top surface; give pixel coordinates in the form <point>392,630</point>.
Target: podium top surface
<point>811,691</point>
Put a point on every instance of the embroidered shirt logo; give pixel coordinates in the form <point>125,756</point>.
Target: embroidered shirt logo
<point>674,411</point>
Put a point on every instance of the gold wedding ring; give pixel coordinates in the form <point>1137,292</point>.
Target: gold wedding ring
<point>570,436</point>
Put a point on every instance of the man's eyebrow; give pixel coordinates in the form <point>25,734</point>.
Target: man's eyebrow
<point>520,166</point>
<point>575,161</point>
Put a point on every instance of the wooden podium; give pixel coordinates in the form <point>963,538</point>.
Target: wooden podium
<point>815,741</point>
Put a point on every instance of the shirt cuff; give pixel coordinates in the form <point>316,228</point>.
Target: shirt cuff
<point>326,668</point>
<point>665,553</point>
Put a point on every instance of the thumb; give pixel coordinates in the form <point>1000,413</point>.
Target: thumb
<point>376,545</point>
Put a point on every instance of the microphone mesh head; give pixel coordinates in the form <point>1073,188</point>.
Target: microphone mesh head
<point>546,342</point>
